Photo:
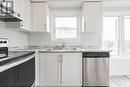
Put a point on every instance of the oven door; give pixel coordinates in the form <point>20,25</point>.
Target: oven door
<point>3,55</point>
<point>3,52</point>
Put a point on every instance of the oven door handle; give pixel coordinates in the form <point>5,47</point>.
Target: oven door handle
<point>15,63</point>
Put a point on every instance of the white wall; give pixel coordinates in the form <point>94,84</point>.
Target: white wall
<point>15,38</point>
<point>90,39</point>
<point>39,39</point>
<point>119,65</point>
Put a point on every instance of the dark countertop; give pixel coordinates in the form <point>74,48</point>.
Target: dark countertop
<point>15,55</point>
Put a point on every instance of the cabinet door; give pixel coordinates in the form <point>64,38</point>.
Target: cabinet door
<point>26,14</point>
<point>72,69</point>
<point>48,69</point>
<point>26,73</point>
<point>92,12</point>
<point>17,6</point>
<point>29,15</point>
<point>39,16</point>
<point>8,78</point>
<point>23,13</point>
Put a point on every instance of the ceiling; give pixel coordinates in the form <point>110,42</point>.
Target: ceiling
<point>116,3</point>
<point>78,3</point>
<point>65,3</point>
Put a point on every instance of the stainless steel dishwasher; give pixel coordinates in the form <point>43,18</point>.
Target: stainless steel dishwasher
<point>95,69</point>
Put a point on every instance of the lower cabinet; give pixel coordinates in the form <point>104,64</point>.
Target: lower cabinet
<point>72,69</point>
<point>57,69</point>
<point>22,75</point>
<point>26,73</point>
<point>49,69</point>
<point>8,78</point>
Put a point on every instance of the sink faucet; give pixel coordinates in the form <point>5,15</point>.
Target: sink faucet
<point>63,45</point>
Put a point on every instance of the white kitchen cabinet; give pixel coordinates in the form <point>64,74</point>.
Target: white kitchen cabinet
<point>40,17</point>
<point>72,69</point>
<point>92,16</point>
<point>29,15</point>
<point>26,14</point>
<point>60,69</point>
<point>17,6</point>
<point>22,7</point>
<point>48,69</point>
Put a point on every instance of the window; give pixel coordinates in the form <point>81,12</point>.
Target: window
<point>110,30</point>
<point>127,33</point>
<point>66,26</point>
<point>116,34</point>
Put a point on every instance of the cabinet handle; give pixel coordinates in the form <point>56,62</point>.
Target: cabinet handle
<point>45,27</point>
<point>60,58</point>
<point>60,73</point>
<point>85,26</point>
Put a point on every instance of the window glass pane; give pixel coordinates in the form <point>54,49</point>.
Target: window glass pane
<point>127,33</point>
<point>110,26</point>
<point>66,27</point>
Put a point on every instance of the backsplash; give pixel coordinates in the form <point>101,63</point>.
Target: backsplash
<point>15,38</point>
<point>39,39</point>
<point>88,40</point>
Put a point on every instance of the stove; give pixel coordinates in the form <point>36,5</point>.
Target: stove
<point>3,48</point>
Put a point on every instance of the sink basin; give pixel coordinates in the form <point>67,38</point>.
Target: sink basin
<point>64,48</point>
<point>60,49</point>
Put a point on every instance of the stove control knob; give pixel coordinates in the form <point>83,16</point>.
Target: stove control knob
<point>4,41</point>
<point>1,42</point>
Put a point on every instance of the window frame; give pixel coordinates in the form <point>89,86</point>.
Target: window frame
<point>66,14</point>
<point>125,52</point>
<point>121,36</point>
<point>116,34</point>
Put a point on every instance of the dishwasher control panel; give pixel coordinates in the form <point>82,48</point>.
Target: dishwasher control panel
<point>96,55</point>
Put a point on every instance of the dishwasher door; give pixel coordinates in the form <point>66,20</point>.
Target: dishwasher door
<point>95,72</point>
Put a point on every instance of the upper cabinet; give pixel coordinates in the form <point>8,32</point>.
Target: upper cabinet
<point>40,17</point>
<point>26,14</point>
<point>92,16</point>
<point>22,7</point>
